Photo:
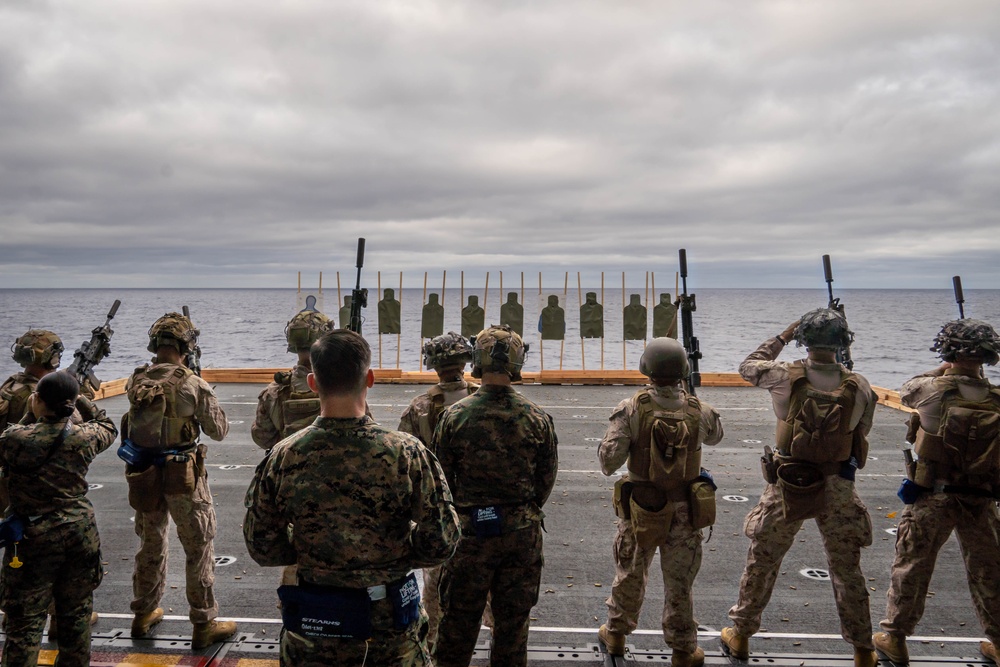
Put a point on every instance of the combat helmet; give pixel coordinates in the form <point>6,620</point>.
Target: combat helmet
<point>449,349</point>
<point>664,359</point>
<point>973,339</point>
<point>823,329</point>
<point>498,349</point>
<point>38,346</point>
<point>175,330</point>
<point>305,328</point>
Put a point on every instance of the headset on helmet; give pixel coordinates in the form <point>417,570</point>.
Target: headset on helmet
<point>449,349</point>
<point>305,328</point>
<point>664,359</point>
<point>38,346</point>
<point>973,339</point>
<point>500,350</point>
<point>174,330</point>
<point>823,329</point>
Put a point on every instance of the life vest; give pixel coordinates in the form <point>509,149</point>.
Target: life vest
<point>668,449</point>
<point>153,421</point>
<point>299,407</point>
<point>14,396</point>
<point>818,426</point>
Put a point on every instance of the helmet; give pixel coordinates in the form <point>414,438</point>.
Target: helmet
<point>967,338</point>
<point>175,330</point>
<point>823,329</point>
<point>38,346</point>
<point>449,349</point>
<point>304,328</point>
<point>498,349</point>
<point>664,358</point>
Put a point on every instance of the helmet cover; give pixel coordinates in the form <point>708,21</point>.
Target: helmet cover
<point>38,346</point>
<point>973,339</point>
<point>305,328</point>
<point>498,349</point>
<point>175,330</point>
<point>823,329</point>
<point>449,349</point>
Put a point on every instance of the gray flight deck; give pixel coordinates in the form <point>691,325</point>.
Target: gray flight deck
<point>800,625</point>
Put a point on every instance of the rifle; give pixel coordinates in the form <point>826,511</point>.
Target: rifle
<point>92,351</point>
<point>193,357</point>
<point>959,297</point>
<point>687,306</point>
<point>843,354</point>
<point>359,297</point>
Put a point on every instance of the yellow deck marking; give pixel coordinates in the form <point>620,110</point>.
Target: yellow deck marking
<point>256,662</point>
<point>142,659</point>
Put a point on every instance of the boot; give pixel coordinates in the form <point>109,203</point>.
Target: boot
<point>143,623</point>
<point>893,646</point>
<point>206,634</point>
<point>735,644</point>
<point>614,642</point>
<point>864,657</point>
<point>685,659</point>
<point>989,650</point>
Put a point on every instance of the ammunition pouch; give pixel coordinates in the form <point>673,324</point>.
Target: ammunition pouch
<point>145,488</point>
<point>701,500</point>
<point>179,474</point>
<point>622,496</point>
<point>650,527</point>
<point>769,466</point>
<point>802,487</point>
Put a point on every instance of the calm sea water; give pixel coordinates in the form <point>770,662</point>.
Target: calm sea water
<point>244,327</point>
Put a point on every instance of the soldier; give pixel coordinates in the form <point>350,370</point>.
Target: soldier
<point>39,352</point>
<point>368,505</point>
<point>663,502</point>
<point>498,451</point>
<point>59,555</point>
<point>824,414</point>
<point>168,407</point>
<point>953,486</point>
<point>447,355</point>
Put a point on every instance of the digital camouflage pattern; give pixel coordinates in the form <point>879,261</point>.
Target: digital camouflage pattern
<point>496,448</point>
<point>680,552</point>
<point>14,394</point>
<point>193,514</point>
<point>368,505</point>
<point>269,422</point>
<point>61,550</point>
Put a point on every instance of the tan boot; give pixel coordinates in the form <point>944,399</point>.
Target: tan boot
<point>94,618</point>
<point>143,623</point>
<point>735,644</point>
<point>685,659</point>
<point>864,657</point>
<point>893,646</point>
<point>206,634</point>
<point>614,642</point>
<point>989,650</point>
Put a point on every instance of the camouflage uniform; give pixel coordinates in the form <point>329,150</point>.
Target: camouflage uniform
<point>61,550</point>
<point>927,524</point>
<point>680,553</point>
<point>497,448</point>
<point>367,505</point>
<point>194,514</point>
<point>270,420</point>
<point>14,395</point>
<point>844,525</point>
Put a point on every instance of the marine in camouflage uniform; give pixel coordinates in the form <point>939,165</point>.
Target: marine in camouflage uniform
<point>188,406</point>
<point>955,482</point>
<point>47,465</point>
<point>667,521</point>
<point>498,451</point>
<point>843,521</point>
<point>39,352</point>
<point>368,505</point>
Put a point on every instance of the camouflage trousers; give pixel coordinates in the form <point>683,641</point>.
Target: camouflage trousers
<point>923,529</point>
<point>845,527</point>
<point>680,559</point>
<point>388,645</point>
<point>194,516</point>
<point>432,604</point>
<point>508,569</point>
<point>63,564</point>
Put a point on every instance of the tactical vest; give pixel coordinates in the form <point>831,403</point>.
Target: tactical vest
<point>818,426</point>
<point>298,408</point>
<point>966,449</point>
<point>14,396</point>
<point>668,454</point>
<point>153,421</point>
<point>426,423</point>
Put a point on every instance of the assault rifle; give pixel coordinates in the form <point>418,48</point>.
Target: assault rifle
<point>193,357</point>
<point>687,305</point>
<point>844,353</point>
<point>959,297</point>
<point>359,297</point>
<point>92,351</point>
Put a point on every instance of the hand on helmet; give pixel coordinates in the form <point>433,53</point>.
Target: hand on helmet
<point>786,335</point>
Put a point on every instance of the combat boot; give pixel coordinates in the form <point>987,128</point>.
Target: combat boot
<point>143,623</point>
<point>685,659</point>
<point>893,646</point>
<point>206,634</point>
<point>865,657</point>
<point>989,650</point>
<point>614,642</point>
<point>735,644</point>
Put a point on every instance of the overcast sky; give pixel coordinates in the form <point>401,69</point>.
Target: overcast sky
<point>200,143</point>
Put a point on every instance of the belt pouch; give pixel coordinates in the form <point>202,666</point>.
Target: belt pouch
<point>803,491</point>
<point>405,597</point>
<point>145,489</point>
<point>486,521</point>
<point>651,527</point>
<point>323,612</point>
<point>178,474</point>
<point>622,496</point>
<point>702,503</point>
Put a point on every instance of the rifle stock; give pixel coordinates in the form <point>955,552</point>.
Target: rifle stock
<point>359,297</point>
<point>844,353</point>
<point>91,352</point>
<point>688,305</point>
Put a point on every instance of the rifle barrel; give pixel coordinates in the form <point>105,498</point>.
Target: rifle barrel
<point>114,309</point>
<point>959,296</point>
<point>361,254</point>
<point>827,269</point>
<point>682,253</point>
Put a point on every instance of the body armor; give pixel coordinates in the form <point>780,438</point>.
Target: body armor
<point>299,405</point>
<point>668,454</point>
<point>153,421</point>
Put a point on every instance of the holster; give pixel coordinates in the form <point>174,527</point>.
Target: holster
<point>621,498</point>
<point>145,488</point>
<point>768,466</point>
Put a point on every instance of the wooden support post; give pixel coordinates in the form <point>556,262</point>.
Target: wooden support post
<point>399,336</point>
<point>623,321</point>
<point>579,295</point>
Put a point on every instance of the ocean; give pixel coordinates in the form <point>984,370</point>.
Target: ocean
<point>244,328</point>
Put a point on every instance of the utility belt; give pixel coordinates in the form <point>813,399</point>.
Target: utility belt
<point>650,510</point>
<point>153,474</point>
<point>801,484</point>
<point>334,612</point>
<point>910,491</point>
<point>496,520</point>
